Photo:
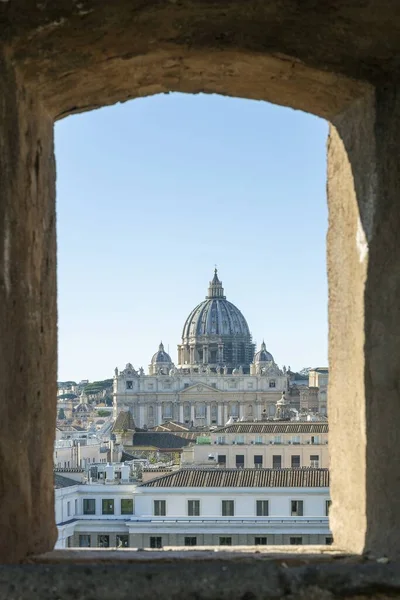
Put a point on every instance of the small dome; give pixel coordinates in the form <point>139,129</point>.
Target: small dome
<point>161,356</point>
<point>263,355</point>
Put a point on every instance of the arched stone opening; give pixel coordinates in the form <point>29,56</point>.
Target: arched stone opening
<point>64,59</point>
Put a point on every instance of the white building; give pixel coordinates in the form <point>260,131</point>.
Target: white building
<point>78,453</point>
<point>217,376</point>
<point>275,445</point>
<point>196,507</point>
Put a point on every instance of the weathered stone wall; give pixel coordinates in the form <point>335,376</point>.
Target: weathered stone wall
<point>364,339</point>
<point>28,335</point>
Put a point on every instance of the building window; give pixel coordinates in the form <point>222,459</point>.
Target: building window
<point>258,461</point>
<point>222,460</point>
<point>70,541</point>
<point>328,504</point>
<point>214,385</point>
<point>329,541</point>
<point>122,541</point>
<point>167,411</point>
<point>129,385</point>
<point>239,461</point>
<point>295,439</point>
<point>259,439</point>
<point>225,541</point>
<point>160,508</point>
<point>103,541</point>
<point>68,509</point>
<point>272,383</point>
<point>107,507</point>
<point>228,508</point>
<point>190,541</point>
<point>249,386</point>
<point>314,461</point>
<point>84,541</point>
<point>277,439</point>
<point>150,386</point>
<point>315,439</point>
<point>295,461</point>
<point>155,542</point>
<point>277,461</point>
<point>127,506</point>
<point>193,508</point>
<point>296,508</point>
<point>200,410</point>
<point>221,439</point>
<point>89,506</point>
<point>262,508</point>
<point>296,541</point>
<point>239,439</point>
<point>260,541</point>
<point>76,507</point>
<point>185,385</point>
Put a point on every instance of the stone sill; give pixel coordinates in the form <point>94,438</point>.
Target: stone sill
<point>235,573</point>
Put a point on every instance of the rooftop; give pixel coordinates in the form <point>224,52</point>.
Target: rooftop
<point>162,440</point>
<point>62,482</point>
<point>275,427</point>
<point>124,422</point>
<point>229,478</point>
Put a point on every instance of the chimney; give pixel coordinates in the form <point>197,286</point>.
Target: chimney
<point>125,472</point>
<point>110,473</point>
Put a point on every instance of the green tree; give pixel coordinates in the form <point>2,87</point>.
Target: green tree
<point>103,413</point>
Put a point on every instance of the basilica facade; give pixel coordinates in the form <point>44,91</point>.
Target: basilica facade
<point>218,375</point>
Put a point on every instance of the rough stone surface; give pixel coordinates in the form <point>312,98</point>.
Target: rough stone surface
<point>27,321</point>
<point>364,287</point>
<point>336,59</point>
<point>84,54</point>
<point>201,575</point>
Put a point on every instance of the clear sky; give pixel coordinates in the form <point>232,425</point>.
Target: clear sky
<point>153,193</point>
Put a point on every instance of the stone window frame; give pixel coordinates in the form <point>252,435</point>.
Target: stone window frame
<point>355,92</point>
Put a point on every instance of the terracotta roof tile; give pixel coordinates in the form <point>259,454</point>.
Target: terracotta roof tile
<point>275,427</point>
<point>231,478</point>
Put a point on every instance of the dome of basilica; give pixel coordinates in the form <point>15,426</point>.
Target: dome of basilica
<point>216,334</point>
<point>161,356</point>
<point>215,316</point>
<point>263,355</point>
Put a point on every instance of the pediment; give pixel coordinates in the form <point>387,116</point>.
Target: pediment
<point>200,388</point>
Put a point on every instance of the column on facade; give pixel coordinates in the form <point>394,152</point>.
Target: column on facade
<point>208,414</point>
<point>192,412</point>
<point>225,413</point>
<point>159,414</point>
<point>205,354</point>
<point>181,418</point>
<point>220,353</point>
<point>142,415</point>
<point>191,359</point>
<point>220,414</point>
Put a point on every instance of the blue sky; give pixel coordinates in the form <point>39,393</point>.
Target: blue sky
<point>152,193</point>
